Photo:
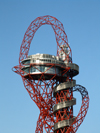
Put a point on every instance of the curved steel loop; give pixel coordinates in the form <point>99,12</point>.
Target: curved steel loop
<point>61,37</point>
<point>82,90</point>
<point>83,110</point>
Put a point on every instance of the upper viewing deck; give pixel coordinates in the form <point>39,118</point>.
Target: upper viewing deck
<point>42,59</point>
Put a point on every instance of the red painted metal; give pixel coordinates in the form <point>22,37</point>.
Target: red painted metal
<point>40,90</point>
<point>60,35</point>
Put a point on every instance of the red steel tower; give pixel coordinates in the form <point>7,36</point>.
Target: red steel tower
<point>49,81</point>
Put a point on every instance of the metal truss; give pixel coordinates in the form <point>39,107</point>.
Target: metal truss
<point>40,87</point>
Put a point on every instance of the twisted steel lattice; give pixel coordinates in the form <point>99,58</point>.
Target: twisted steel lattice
<point>61,37</point>
<point>40,90</point>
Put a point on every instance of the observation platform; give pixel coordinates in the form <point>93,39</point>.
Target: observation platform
<point>47,66</point>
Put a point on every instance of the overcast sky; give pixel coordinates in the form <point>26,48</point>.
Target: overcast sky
<point>81,21</point>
